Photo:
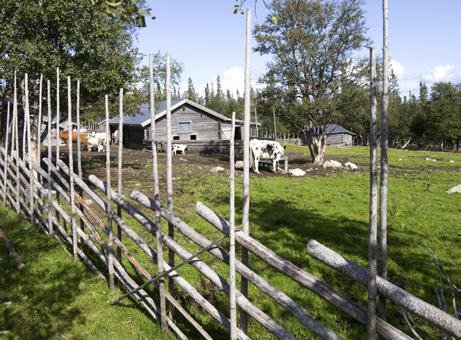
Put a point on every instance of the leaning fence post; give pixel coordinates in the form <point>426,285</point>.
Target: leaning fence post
<point>71,171</point>
<point>232,297</point>
<point>110,259</point>
<point>120,167</point>
<point>5,185</point>
<point>158,234</point>
<point>79,141</point>
<point>372,242</point>
<point>29,149</point>
<point>384,166</point>
<point>16,139</point>
<point>169,171</point>
<point>58,138</point>
<point>50,194</point>
<point>246,164</point>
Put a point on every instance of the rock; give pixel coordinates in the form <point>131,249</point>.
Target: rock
<point>297,172</point>
<point>183,159</point>
<point>351,166</point>
<point>239,165</point>
<point>216,169</point>
<point>451,161</point>
<point>431,159</point>
<point>455,189</point>
<point>332,164</point>
<point>400,159</point>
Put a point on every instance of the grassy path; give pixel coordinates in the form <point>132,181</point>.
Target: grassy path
<point>55,297</point>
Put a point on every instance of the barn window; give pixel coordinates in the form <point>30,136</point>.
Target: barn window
<point>175,137</point>
<point>183,127</point>
<point>193,137</point>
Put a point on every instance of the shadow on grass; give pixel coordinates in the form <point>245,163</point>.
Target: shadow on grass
<point>36,302</point>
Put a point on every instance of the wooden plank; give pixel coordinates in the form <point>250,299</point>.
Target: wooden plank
<point>48,174</point>
<point>284,300</point>
<point>232,281</point>
<point>110,265</point>
<point>220,282</point>
<point>326,292</point>
<point>408,301</point>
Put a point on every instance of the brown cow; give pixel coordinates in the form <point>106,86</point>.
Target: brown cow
<point>64,135</point>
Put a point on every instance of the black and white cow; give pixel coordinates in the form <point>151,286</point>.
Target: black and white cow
<point>265,150</point>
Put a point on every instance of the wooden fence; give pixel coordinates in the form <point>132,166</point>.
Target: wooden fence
<point>104,229</point>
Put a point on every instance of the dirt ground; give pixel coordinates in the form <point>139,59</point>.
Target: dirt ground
<point>137,165</point>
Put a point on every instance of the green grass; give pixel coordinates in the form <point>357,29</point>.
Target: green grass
<point>57,298</point>
<point>285,213</point>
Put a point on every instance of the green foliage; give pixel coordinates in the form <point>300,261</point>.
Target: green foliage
<point>131,11</point>
<point>311,43</point>
<point>77,36</point>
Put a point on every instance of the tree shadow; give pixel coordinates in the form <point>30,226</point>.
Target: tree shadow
<point>36,302</point>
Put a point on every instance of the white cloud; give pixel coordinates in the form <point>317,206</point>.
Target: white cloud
<point>397,68</point>
<point>440,73</point>
<point>233,80</point>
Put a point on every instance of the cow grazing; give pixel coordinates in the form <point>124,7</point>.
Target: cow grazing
<point>64,136</point>
<point>181,148</point>
<point>265,150</point>
<point>95,144</point>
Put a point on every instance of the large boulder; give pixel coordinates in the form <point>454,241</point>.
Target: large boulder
<point>455,189</point>
<point>239,165</point>
<point>332,164</point>
<point>296,172</point>
<point>351,166</point>
<point>216,169</point>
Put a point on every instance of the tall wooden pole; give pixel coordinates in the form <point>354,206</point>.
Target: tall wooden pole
<point>5,186</point>
<point>158,236</point>
<point>256,121</point>
<point>382,268</point>
<point>16,139</point>
<point>169,171</point>
<point>110,258</point>
<point>373,233</point>
<point>233,289</point>
<point>58,109</point>
<point>50,195</point>
<point>275,124</point>
<point>71,171</point>
<point>40,116</point>
<point>246,163</point>
<point>120,166</point>
<point>79,141</point>
<point>29,149</point>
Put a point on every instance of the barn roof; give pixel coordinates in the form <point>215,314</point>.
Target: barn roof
<point>332,129</point>
<point>143,116</point>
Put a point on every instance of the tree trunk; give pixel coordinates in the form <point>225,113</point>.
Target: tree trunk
<point>319,145</point>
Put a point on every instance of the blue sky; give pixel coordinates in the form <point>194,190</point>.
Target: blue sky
<point>425,39</point>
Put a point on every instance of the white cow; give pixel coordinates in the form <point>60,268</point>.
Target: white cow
<point>100,135</point>
<point>181,148</point>
<point>265,150</point>
<point>95,143</point>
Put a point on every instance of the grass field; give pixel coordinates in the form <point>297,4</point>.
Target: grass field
<point>329,206</point>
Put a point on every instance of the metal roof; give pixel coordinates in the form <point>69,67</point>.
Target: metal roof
<point>143,116</point>
<point>332,129</point>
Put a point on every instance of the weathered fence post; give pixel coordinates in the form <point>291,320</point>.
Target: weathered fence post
<point>232,297</point>
<point>382,268</point>
<point>372,242</point>
<point>58,109</point>
<point>49,163</point>
<point>169,171</point>
<point>6,168</point>
<point>16,141</point>
<point>120,167</point>
<point>28,144</point>
<point>71,171</point>
<point>79,142</point>
<point>256,123</point>
<point>39,124</point>
<point>246,164</point>
<point>158,235</point>
<point>110,259</point>
<point>275,124</point>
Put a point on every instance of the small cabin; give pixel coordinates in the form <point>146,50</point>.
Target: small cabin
<point>191,123</point>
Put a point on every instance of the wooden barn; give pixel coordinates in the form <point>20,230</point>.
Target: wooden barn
<point>191,123</point>
<point>339,136</point>
<point>336,135</point>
